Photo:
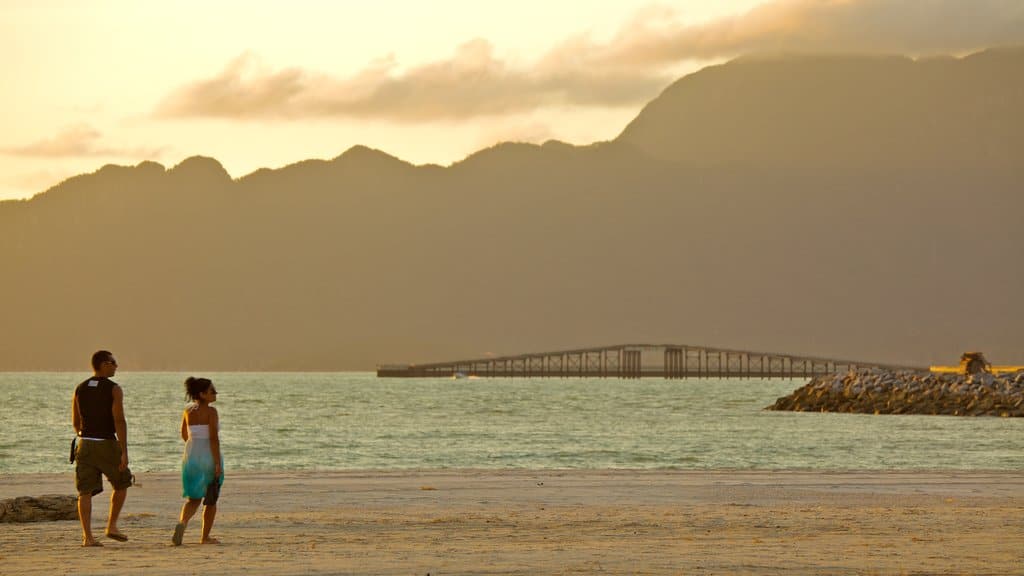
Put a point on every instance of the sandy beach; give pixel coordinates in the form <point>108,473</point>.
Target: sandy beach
<point>549,522</point>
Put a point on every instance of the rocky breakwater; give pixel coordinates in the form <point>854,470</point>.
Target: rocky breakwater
<point>885,392</point>
<point>41,509</point>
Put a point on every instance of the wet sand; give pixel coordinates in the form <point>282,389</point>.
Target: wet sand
<point>547,522</point>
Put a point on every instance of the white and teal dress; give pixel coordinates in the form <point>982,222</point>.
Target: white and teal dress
<point>197,467</point>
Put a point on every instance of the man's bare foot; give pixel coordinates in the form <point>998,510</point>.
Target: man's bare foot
<point>91,543</point>
<point>210,541</point>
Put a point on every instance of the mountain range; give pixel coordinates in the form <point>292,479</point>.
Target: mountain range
<point>856,207</point>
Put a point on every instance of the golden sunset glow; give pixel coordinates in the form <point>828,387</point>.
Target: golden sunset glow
<point>266,84</point>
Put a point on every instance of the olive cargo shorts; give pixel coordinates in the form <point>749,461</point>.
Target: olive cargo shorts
<point>98,458</point>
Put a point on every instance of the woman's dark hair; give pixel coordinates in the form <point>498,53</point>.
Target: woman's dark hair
<point>196,386</point>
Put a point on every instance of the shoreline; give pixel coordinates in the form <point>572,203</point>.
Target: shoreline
<point>549,521</point>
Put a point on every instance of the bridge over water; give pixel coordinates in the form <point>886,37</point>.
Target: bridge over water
<point>637,361</point>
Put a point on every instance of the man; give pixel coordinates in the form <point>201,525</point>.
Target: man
<point>97,414</point>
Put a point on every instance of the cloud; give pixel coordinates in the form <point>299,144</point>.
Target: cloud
<point>917,27</point>
<point>472,83</point>
<point>626,70</point>
<point>80,140</point>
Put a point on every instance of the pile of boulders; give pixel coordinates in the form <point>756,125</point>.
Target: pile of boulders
<point>41,509</point>
<point>887,392</point>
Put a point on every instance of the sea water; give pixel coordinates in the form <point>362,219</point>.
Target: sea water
<point>343,421</point>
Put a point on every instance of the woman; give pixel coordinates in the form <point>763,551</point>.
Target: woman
<point>202,472</point>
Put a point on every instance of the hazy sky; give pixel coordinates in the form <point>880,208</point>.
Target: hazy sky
<point>264,84</point>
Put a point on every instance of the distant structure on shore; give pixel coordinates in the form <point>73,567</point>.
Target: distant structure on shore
<point>975,363</point>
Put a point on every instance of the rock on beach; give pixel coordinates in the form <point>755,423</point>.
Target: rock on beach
<point>41,509</point>
<point>888,392</point>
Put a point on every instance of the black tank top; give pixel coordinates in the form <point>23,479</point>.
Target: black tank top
<point>96,405</point>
